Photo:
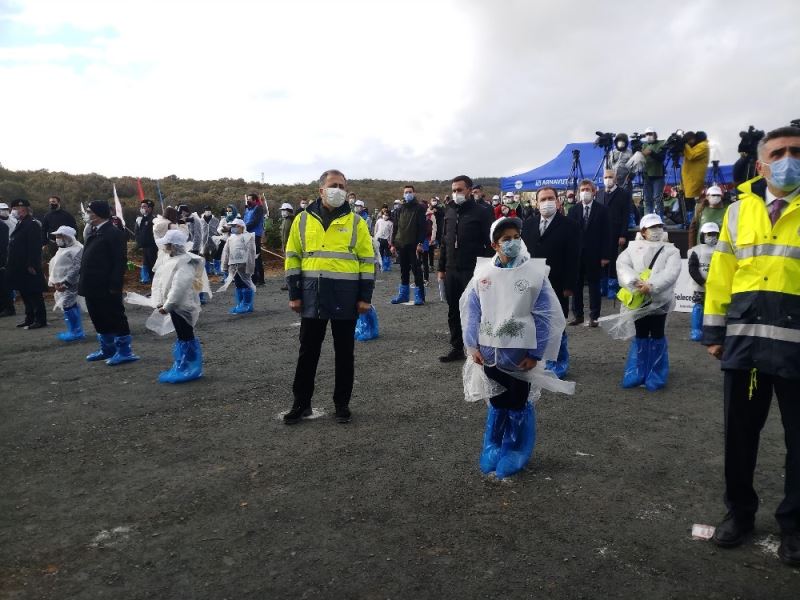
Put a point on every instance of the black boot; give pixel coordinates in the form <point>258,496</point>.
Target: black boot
<point>732,531</point>
<point>342,414</point>
<point>297,412</point>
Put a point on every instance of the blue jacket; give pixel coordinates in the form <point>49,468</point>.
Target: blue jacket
<point>254,219</point>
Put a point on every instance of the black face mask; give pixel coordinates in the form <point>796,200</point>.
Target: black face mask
<point>54,207</point>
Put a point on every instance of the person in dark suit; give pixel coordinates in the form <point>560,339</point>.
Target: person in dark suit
<point>619,204</point>
<point>548,234</point>
<point>102,272</point>
<point>595,251</point>
<point>24,270</point>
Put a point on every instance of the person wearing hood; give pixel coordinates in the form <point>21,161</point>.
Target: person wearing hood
<point>648,270</point>
<point>192,221</point>
<point>696,153</point>
<point>620,155</point>
<point>224,232</point>
<point>383,233</point>
<point>206,246</point>
<point>711,210</point>
<point>6,217</point>
<point>64,272</point>
<point>24,269</point>
<point>145,240</point>
<point>101,279</point>
<point>699,263</point>
<point>511,321</point>
<point>175,292</point>
<point>239,262</point>
<point>408,241</point>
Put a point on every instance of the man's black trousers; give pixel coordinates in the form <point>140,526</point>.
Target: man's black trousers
<point>409,261</point>
<point>312,334</point>
<point>744,418</point>
<point>108,314</point>
<point>455,282</point>
<point>591,276</point>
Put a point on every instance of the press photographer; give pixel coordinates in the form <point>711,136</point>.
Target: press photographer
<point>745,167</point>
<point>653,189</point>
<point>620,155</point>
<point>693,171</point>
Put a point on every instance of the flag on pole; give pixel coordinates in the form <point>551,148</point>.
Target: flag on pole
<point>160,197</point>
<point>118,206</point>
<point>139,186</point>
<point>84,214</point>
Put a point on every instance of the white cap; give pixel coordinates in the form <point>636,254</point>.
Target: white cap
<point>63,230</point>
<point>651,220</point>
<point>709,227</point>
<point>495,197</point>
<point>174,237</point>
<point>360,203</point>
<point>714,190</point>
<point>286,206</point>
<point>397,201</point>
<point>508,195</point>
<point>3,206</point>
<point>649,130</point>
<point>238,222</point>
<point>504,221</point>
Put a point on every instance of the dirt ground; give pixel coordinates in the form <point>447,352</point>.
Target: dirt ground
<point>114,486</point>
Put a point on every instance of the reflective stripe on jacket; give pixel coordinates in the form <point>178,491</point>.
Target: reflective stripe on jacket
<point>752,303</point>
<point>331,269</point>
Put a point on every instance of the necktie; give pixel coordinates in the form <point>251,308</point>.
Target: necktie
<point>542,226</point>
<point>585,217</point>
<point>775,210</point>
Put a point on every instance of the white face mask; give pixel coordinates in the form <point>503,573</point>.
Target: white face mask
<point>15,214</point>
<point>3,214</point>
<point>459,198</point>
<point>654,234</point>
<point>714,200</point>
<point>547,208</point>
<point>711,239</point>
<point>303,205</point>
<point>586,197</point>
<point>335,197</point>
<point>609,182</point>
<point>61,243</point>
<point>650,139</point>
<point>621,145</point>
<point>207,213</point>
<point>385,217</point>
<point>284,213</point>
<point>236,229</point>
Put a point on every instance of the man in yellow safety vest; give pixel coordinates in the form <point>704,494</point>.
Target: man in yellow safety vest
<point>752,324</point>
<point>330,273</point>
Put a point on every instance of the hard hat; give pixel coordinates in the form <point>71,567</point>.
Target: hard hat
<point>649,130</point>
<point>709,227</point>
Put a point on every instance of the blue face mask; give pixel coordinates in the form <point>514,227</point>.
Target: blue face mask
<point>785,173</point>
<point>408,197</point>
<point>511,248</point>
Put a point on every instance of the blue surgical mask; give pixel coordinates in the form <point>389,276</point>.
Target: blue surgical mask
<point>511,248</point>
<point>785,173</point>
<point>408,197</point>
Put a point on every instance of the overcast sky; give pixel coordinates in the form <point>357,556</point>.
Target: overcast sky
<point>392,89</point>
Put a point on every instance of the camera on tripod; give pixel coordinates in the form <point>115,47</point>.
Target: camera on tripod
<point>636,141</point>
<point>674,144</point>
<point>604,141</point>
<point>750,139</point>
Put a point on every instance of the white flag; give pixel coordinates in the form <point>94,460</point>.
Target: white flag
<point>118,206</point>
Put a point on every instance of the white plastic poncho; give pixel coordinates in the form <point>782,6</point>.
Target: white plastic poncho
<point>65,268</point>
<point>509,314</point>
<point>239,256</point>
<point>630,263</point>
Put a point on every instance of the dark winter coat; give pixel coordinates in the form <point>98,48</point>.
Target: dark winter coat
<point>559,246</point>
<point>144,231</point>
<point>103,262</point>
<point>595,236</point>
<point>52,220</point>
<point>465,236</point>
<point>24,251</point>
<point>619,205</point>
<point>410,226</point>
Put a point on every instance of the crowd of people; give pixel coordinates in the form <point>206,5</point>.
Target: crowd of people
<point>510,271</point>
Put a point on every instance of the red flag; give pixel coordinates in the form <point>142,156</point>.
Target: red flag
<point>141,191</point>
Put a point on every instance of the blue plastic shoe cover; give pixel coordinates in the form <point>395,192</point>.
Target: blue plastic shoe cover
<point>519,438</point>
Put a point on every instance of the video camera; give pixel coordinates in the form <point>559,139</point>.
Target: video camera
<point>750,139</point>
<point>636,141</point>
<point>604,140</point>
<point>674,144</point>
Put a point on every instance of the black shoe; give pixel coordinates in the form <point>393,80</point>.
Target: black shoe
<point>576,321</point>
<point>36,326</point>
<point>731,532</point>
<point>789,550</point>
<point>25,323</point>
<point>296,414</point>
<point>453,356</point>
<point>342,414</point>
<point>593,323</point>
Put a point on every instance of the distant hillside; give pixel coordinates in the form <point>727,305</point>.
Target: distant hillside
<point>36,186</point>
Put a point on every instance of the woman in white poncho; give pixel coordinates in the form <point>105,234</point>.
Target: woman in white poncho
<point>177,283</point>
<point>648,270</point>
<point>512,321</point>
<point>239,261</point>
<point>64,270</point>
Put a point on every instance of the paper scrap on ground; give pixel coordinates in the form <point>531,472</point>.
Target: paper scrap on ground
<point>702,532</point>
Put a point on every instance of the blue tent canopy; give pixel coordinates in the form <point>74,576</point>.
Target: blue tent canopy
<point>555,173</point>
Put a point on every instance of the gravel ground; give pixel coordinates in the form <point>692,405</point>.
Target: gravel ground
<point>114,486</point>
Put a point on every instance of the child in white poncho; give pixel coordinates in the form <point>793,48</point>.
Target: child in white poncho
<point>177,283</point>
<point>239,261</point>
<point>64,270</point>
